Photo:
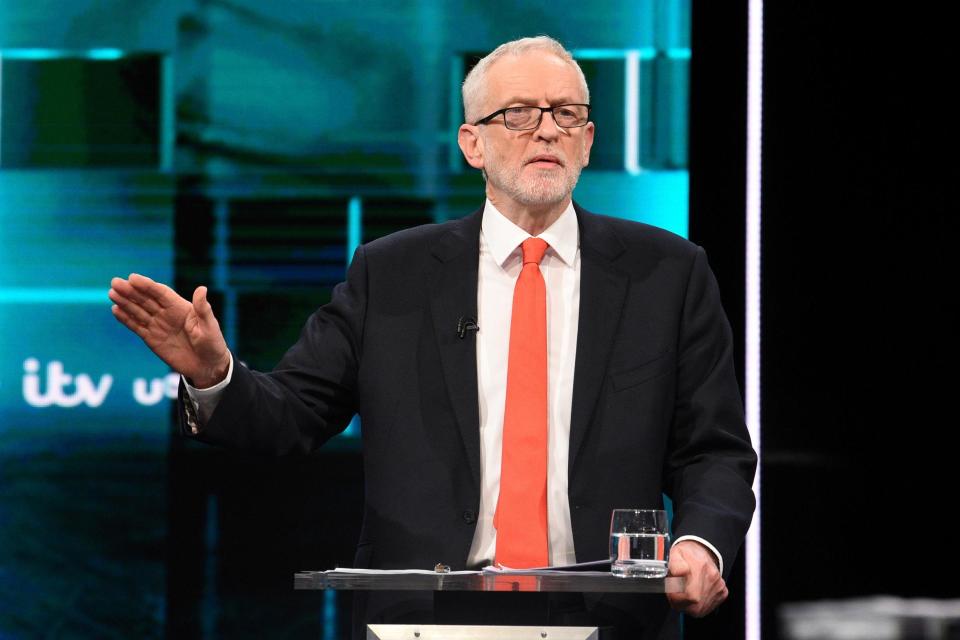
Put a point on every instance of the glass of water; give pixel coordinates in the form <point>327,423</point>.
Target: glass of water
<point>639,543</point>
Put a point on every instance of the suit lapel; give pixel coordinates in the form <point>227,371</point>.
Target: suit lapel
<point>603,288</point>
<point>454,295</point>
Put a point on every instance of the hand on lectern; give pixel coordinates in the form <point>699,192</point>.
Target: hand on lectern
<point>705,588</point>
<point>185,335</point>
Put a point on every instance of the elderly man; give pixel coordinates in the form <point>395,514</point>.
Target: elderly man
<point>519,372</point>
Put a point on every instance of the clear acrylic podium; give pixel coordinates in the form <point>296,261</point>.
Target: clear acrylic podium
<point>504,583</point>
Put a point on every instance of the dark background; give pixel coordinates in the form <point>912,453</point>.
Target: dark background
<point>858,346</point>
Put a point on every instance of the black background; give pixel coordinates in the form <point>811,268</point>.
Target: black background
<point>858,315</point>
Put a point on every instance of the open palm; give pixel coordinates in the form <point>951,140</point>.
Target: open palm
<point>184,334</point>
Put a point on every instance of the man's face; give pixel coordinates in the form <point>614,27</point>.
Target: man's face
<point>539,166</point>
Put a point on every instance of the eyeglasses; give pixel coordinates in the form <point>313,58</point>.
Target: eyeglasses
<point>525,118</point>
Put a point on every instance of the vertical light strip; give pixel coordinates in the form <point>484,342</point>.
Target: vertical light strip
<point>329,621</point>
<point>752,351</point>
<point>1,109</point>
<point>354,238</point>
<point>168,108</point>
<point>455,106</point>
<point>631,114</point>
<point>3,198</point>
<point>354,226</point>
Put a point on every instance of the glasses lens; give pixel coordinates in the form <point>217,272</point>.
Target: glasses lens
<point>571,115</point>
<point>521,117</point>
<point>567,115</point>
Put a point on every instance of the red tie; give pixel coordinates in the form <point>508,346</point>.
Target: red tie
<point>521,516</point>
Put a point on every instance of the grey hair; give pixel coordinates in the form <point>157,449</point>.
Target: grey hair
<point>474,85</point>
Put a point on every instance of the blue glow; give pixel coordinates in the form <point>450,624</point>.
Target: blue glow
<point>646,53</point>
<point>655,197</point>
<point>353,429</point>
<point>330,615</point>
<point>24,295</point>
<point>105,54</point>
<point>354,237</point>
<point>598,54</point>
<point>32,54</point>
<point>53,54</point>
<point>354,226</point>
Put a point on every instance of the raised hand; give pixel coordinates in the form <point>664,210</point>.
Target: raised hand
<point>185,335</point>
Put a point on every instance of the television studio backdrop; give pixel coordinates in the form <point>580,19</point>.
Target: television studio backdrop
<point>252,146</point>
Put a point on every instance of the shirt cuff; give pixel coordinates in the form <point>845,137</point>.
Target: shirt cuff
<point>707,545</point>
<point>204,401</point>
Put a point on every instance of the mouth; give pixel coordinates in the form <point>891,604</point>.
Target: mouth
<point>545,161</point>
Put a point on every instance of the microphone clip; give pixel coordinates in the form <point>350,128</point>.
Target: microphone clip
<point>464,324</point>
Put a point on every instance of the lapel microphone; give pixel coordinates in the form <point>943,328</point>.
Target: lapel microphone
<point>466,323</point>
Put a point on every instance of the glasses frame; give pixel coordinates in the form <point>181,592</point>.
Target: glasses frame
<point>502,112</point>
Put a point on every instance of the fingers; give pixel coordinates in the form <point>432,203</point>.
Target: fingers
<point>716,593</point>
<point>713,599</point>
<point>701,602</point>
<point>201,305</point>
<point>147,289</point>
<point>678,565</point>
<point>129,293</point>
<point>128,321</point>
<point>704,587</point>
<point>131,310</point>
<point>689,600</point>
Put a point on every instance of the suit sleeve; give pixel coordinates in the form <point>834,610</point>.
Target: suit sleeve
<point>710,462</point>
<point>310,396</point>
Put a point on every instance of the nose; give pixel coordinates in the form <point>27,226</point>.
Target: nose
<point>548,129</point>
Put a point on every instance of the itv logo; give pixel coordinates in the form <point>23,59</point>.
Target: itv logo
<point>52,386</point>
<point>58,392</point>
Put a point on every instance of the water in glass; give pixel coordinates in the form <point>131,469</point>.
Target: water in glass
<point>641,555</point>
<point>639,543</point>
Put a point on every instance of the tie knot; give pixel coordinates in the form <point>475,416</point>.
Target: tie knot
<point>533,250</point>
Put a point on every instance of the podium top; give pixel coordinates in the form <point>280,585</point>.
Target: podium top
<point>551,581</point>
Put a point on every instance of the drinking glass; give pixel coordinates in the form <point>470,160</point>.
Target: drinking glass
<point>639,543</point>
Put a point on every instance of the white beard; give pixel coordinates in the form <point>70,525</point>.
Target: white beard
<point>533,187</point>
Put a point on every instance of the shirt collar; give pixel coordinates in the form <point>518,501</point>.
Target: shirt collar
<point>503,237</point>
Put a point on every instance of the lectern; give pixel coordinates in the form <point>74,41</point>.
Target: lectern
<point>507,592</point>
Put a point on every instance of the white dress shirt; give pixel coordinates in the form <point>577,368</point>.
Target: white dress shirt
<point>501,260</point>
<point>500,265</point>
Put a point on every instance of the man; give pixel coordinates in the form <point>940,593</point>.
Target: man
<point>532,360</point>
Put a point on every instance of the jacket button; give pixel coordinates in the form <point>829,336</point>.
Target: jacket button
<point>469,516</point>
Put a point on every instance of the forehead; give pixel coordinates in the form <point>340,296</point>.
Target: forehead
<point>533,76</point>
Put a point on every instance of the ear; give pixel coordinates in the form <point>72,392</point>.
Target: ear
<point>471,144</point>
<point>588,132</point>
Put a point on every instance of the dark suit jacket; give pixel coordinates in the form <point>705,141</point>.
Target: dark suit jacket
<point>656,407</point>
